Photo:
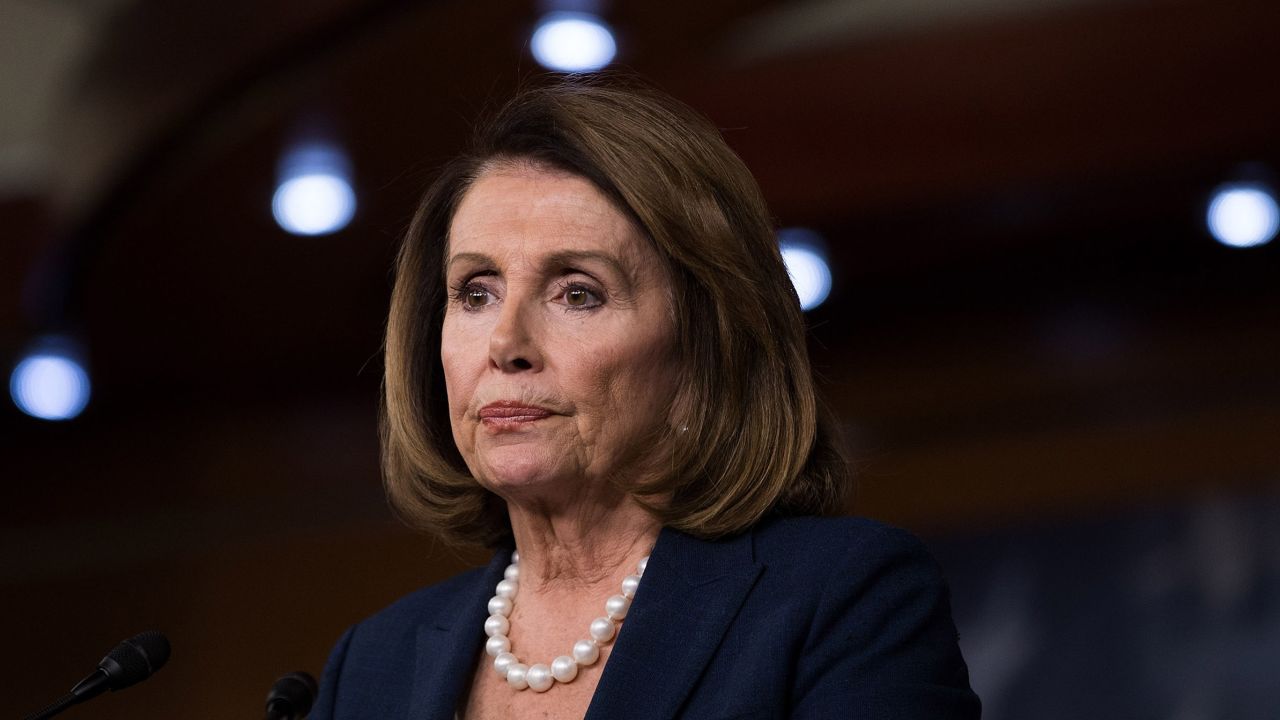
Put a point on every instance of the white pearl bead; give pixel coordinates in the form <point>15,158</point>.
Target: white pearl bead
<point>539,678</point>
<point>512,573</point>
<point>507,589</point>
<point>602,630</point>
<point>503,662</point>
<point>585,652</point>
<point>640,566</point>
<point>629,585</point>
<point>515,556</point>
<point>499,605</point>
<point>615,607</point>
<point>497,625</point>
<point>516,676</point>
<point>565,668</point>
<point>497,644</point>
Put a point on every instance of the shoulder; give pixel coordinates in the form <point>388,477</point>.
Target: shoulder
<point>817,542</point>
<point>873,611</point>
<point>859,575</point>
<point>847,557</point>
<point>849,565</point>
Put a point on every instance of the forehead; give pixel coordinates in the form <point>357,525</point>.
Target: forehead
<point>528,209</point>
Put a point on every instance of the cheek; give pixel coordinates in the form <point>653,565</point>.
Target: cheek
<point>637,380</point>
<point>460,386</point>
<point>452,380</point>
<point>456,357</point>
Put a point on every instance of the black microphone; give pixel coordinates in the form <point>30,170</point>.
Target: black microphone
<point>291,697</point>
<point>129,663</point>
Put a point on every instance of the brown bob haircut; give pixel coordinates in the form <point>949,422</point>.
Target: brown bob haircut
<point>746,434</point>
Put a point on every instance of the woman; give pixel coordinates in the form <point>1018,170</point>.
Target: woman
<point>595,358</point>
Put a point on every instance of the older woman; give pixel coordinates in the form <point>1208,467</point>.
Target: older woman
<point>596,365</point>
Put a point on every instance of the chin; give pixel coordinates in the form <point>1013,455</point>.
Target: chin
<point>520,472</point>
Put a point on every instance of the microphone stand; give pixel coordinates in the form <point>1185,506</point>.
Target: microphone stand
<point>61,704</point>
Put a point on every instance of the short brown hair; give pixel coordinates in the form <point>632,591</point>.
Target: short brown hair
<point>747,435</point>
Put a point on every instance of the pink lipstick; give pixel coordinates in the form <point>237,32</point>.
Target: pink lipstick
<point>508,414</point>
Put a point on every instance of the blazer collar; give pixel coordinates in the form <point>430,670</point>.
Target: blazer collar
<point>691,592</point>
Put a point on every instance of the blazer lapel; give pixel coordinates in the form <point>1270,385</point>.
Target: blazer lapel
<point>691,591</point>
<point>447,646</point>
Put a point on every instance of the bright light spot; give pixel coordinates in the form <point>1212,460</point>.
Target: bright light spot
<point>573,42</point>
<point>1243,215</point>
<point>807,266</point>
<point>49,386</point>
<point>314,196</point>
<point>314,204</point>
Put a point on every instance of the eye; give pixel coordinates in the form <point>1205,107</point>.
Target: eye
<point>579,297</point>
<point>472,295</point>
<point>475,297</point>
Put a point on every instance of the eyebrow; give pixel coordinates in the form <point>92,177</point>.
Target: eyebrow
<point>563,258</point>
<point>570,258</point>
<point>475,258</point>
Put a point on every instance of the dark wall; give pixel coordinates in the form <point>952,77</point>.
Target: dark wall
<point>1043,363</point>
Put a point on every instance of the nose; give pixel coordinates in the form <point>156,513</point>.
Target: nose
<point>514,344</point>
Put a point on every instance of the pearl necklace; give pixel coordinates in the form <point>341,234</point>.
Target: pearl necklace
<point>541,677</point>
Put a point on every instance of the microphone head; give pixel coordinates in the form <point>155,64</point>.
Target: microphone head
<point>293,693</point>
<point>133,660</point>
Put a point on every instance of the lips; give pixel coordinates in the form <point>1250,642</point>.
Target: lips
<point>511,413</point>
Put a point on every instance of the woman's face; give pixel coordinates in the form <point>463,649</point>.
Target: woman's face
<point>557,340</point>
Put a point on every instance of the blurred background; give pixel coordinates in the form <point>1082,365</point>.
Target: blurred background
<point>1035,235</point>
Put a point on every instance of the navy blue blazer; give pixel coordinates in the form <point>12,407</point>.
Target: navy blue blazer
<point>798,617</point>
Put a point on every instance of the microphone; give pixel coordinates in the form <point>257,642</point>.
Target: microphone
<point>291,697</point>
<point>129,663</point>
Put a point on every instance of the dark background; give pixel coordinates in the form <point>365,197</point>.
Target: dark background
<point>1045,365</point>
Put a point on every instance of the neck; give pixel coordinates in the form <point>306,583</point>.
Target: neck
<point>588,547</point>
